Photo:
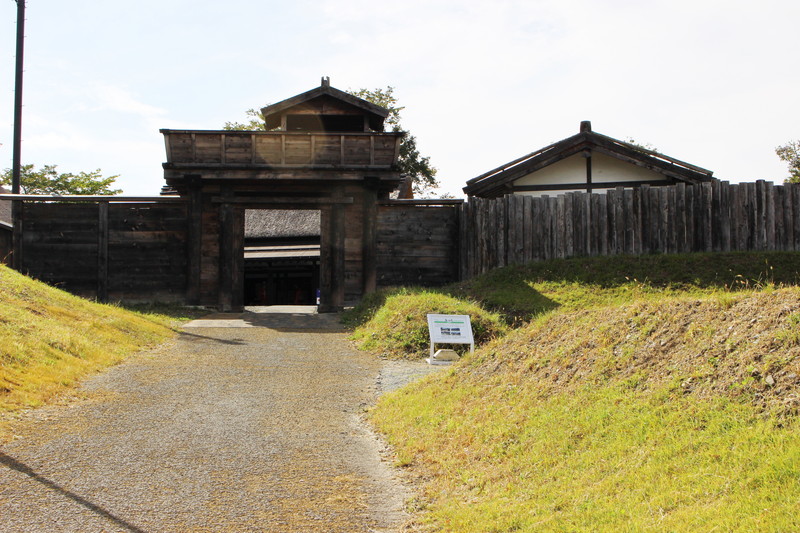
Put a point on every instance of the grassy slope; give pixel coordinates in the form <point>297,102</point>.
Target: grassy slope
<point>49,339</point>
<point>665,402</point>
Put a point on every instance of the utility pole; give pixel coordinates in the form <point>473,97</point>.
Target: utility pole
<point>16,166</point>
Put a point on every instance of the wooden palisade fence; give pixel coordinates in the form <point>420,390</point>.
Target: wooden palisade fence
<point>716,216</point>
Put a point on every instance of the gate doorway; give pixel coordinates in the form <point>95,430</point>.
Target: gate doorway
<point>323,150</point>
<point>281,257</point>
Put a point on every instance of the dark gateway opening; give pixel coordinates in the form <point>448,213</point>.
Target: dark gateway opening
<point>281,257</point>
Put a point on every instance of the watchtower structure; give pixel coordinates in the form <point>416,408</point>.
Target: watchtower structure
<point>323,149</point>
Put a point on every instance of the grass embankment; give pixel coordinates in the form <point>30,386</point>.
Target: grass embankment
<point>50,339</point>
<point>634,394</point>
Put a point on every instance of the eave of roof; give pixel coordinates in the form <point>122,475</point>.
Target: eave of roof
<point>671,167</point>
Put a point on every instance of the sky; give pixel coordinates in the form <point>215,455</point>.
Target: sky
<point>713,83</point>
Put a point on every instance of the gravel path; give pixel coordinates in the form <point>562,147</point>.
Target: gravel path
<point>246,423</point>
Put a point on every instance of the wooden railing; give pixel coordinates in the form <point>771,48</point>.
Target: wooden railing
<point>282,149</point>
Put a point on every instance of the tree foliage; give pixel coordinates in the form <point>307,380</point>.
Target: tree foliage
<point>790,153</point>
<point>47,180</point>
<point>411,162</point>
<point>255,122</point>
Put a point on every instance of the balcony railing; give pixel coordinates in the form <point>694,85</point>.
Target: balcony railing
<point>282,149</point>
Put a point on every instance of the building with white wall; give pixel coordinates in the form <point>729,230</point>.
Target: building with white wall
<point>588,162</point>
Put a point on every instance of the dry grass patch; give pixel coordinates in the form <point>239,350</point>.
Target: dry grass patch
<point>50,340</point>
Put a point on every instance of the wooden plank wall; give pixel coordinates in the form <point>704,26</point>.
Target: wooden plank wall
<point>6,243</point>
<point>417,245</point>
<point>112,251</point>
<point>716,216</point>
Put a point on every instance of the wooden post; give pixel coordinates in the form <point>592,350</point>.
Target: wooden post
<point>369,249</point>
<point>194,244</point>
<point>337,256</point>
<point>231,256</point>
<point>102,252</point>
<point>325,254</point>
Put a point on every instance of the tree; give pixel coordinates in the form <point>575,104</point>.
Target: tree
<point>255,122</point>
<point>790,153</point>
<point>48,181</point>
<point>411,162</point>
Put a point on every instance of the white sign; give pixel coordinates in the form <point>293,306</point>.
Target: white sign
<point>450,329</point>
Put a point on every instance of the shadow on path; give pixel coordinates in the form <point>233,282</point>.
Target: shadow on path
<point>12,463</point>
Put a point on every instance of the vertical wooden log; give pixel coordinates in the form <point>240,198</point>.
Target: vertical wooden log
<point>659,219</point>
<point>544,227</point>
<point>502,242</point>
<point>519,229</point>
<point>752,216</point>
<point>761,215</point>
<point>540,227</point>
<point>527,222</point>
<point>512,230</point>
<point>102,251</point>
<point>646,209</point>
<point>560,237</point>
<point>602,224</point>
<point>611,222</point>
<point>780,209</point>
<point>619,220</point>
<point>492,236</point>
<point>485,214</point>
<point>587,223</point>
<point>569,229</point>
<point>715,219</point>
<point>769,206</point>
<point>736,216</point>
<point>680,217</point>
<point>636,218</point>
<point>691,221</point>
<point>795,188</point>
<point>788,217</point>
<point>629,221</point>
<point>462,230</point>
<point>668,213</point>
<point>707,217</point>
<point>577,224</point>
<point>725,216</point>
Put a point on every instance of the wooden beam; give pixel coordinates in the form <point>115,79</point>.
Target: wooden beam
<point>343,200</point>
<point>194,245</point>
<point>369,253</point>
<point>92,198</point>
<point>337,256</point>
